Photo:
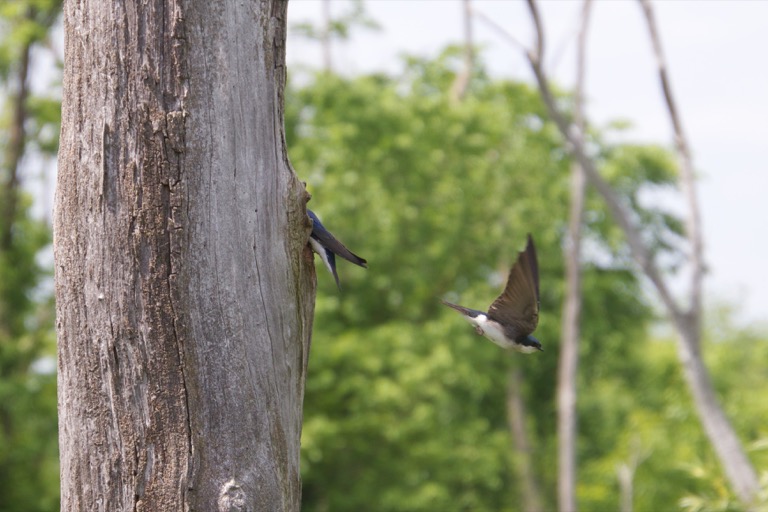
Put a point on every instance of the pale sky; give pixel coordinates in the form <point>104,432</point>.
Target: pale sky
<point>716,53</point>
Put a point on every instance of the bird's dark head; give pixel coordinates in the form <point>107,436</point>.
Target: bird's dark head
<point>532,343</point>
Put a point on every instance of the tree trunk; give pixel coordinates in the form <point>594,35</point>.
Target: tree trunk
<point>529,486</point>
<point>461,82</point>
<point>183,283</point>
<point>568,364</point>
<point>325,38</point>
<point>737,466</point>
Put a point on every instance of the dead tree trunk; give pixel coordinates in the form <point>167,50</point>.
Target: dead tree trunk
<point>184,292</point>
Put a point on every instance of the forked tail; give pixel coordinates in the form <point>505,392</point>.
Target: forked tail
<point>472,313</point>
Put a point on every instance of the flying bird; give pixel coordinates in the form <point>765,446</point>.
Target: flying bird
<point>326,245</point>
<point>514,315</point>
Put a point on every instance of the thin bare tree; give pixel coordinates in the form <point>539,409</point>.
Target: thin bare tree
<point>737,466</point>
<point>463,77</point>
<point>571,319</point>
<point>530,488</point>
<point>625,473</point>
<point>184,285</point>
<point>685,319</point>
<point>325,37</point>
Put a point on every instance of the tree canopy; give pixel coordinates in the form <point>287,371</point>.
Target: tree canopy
<point>405,405</point>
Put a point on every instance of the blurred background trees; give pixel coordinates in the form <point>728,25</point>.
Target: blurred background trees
<point>406,408</point>
<point>405,405</point>
<point>28,133</point>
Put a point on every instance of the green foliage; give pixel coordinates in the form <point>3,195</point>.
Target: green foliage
<point>23,23</point>
<point>405,405</point>
<point>44,123</point>
<point>28,439</point>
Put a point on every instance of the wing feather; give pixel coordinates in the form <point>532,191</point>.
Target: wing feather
<point>518,305</point>
<point>325,237</point>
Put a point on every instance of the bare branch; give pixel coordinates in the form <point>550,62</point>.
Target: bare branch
<point>516,413</point>
<point>461,83</point>
<point>498,28</point>
<point>687,178</point>
<point>578,111</point>
<point>539,46</point>
<point>738,468</point>
<point>575,139</point>
<point>325,37</point>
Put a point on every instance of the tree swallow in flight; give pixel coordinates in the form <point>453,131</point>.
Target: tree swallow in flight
<point>514,315</point>
<point>326,245</point>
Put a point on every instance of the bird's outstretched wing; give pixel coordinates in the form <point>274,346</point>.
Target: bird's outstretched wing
<point>518,305</point>
<point>330,242</point>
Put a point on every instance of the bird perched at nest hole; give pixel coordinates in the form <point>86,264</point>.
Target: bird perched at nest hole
<point>327,246</point>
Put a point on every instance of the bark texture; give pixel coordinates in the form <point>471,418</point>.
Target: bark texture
<point>184,287</point>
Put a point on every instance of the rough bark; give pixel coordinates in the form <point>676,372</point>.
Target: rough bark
<point>184,287</point>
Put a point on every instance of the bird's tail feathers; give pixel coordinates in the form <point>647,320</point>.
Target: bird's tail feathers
<point>354,258</point>
<point>461,309</point>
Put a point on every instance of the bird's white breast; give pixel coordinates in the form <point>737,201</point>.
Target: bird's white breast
<point>494,332</point>
<point>319,249</point>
